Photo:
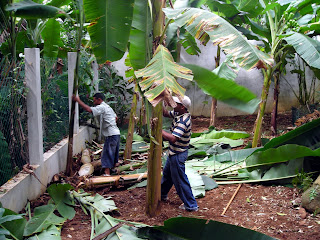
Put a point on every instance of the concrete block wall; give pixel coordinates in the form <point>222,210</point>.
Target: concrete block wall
<point>24,186</point>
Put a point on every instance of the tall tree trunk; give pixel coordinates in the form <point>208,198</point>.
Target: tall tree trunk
<point>128,148</point>
<point>213,116</point>
<point>69,169</point>
<point>274,113</point>
<point>154,160</point>
<point>264,96</point>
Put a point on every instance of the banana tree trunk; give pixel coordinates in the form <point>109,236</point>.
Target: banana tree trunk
<point>274,113</point>
<point>128,148</point>
<point>69,168</point>
<point>214,102</point>
<point>154,160</point>
<point>264,96</point>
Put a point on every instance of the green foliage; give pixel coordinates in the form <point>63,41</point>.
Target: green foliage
<point>5,161</point>
<point>313,193</point>
<point>193,228</point>
<point>55,106</point>
<point>118,91</point>
<point>302,178</point>
<point>11,224</point>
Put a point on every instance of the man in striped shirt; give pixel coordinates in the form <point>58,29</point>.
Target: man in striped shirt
<point>179,138</point>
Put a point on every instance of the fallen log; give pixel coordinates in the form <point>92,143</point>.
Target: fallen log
<point>126,167</point>
<point>115,180</point>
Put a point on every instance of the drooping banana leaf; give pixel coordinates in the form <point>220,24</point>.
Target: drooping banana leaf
<point>306,135</point>
<point>203,24</point>
<point>224,90</point>
<point>51,38</point>
<point>227,69</point>
<point>281,154</point>
<point>189,44</point>
<point>61,197</point>
<point>194,228</point>
<point>140,40</point>
<point>306,47</point>
<point>110,27</point>
<point>159,75</point>
<point>31,10</point>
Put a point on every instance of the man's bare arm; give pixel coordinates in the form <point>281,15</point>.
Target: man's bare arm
<point>82,104</point>
<point>168,137</point>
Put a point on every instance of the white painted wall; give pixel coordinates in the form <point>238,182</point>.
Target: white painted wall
<point>253,80</point>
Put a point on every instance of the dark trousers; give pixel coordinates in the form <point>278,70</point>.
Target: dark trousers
<point>110,152</point>
<point>174,174</point>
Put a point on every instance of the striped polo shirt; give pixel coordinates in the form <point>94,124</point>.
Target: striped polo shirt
<point>180,128</point>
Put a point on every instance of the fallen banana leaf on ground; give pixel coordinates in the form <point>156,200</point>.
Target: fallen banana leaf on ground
<point>197,229</point>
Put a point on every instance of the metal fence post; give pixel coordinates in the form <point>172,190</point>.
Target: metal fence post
<point>72,59</point>
<point>33,82</point>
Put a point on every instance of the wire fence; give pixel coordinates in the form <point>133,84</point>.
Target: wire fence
<point>55,105</point>
<point>54,96</point>
<point>13,119</point>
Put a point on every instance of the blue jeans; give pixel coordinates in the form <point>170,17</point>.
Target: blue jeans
<point>174,174</point>
<point>110,152</point>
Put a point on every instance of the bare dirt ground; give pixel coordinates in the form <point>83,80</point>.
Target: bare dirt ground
<point>272,210</point>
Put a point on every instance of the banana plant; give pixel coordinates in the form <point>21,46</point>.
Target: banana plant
<point>285,28</point>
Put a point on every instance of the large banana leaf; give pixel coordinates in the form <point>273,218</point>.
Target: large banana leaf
<point>281,154</point>
<point>110,27</point>
<point>307,48</point>
<point>227,69</point>
<point>61,197</point>
<point>126,232</point>
<point>52,233</point>
<point>42,219</point>
<point>12,224</point>
<point>306,135</point>
<point>194,228</point>
<point>140,40</point>
<point>51,38</point>
<point>159,75</point>
<point>196,182</point>
<point>203,24</point>
<point>224,90</point>
<point>31,10</point>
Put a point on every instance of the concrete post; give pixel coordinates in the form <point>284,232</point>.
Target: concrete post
<point>72,59</point>
<point>33,82</point>
<point>95,67</point>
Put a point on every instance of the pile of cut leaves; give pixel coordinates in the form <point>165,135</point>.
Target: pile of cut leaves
<point>213,161</point>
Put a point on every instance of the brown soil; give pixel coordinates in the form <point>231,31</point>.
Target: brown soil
<point>272,210</point>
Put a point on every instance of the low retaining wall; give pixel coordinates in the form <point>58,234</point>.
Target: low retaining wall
<point>24,186</point>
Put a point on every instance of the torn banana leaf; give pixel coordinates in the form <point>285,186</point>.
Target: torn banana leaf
<point>196,182</point>
<point>226,133</point>
<point>194,228</point>
<point>199,142</point>
<point>124,232</point>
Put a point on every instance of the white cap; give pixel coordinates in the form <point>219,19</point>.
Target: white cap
<point>186,102</point>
